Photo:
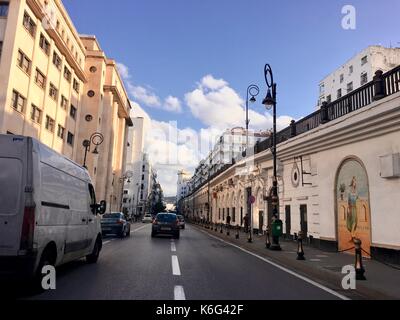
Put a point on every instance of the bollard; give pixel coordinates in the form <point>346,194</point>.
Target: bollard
<point>268,241</point>
<point>228,233</point>
<point>300,251</point>
<point>222,230</point>
<point>237,231</point>
<point>216,227</point>
<point>359,264</point>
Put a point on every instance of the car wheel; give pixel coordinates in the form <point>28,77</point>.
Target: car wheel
<point>128,234</point>
<point>153,234</point>
<point>176,235</point>
<point>47,259</point>
<point>94,256</point>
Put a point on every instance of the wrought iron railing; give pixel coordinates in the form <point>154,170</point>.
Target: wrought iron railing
<point>382,85</point>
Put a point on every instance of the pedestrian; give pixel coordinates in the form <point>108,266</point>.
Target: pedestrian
<point>246,223</point>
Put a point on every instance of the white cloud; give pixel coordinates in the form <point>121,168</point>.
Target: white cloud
<point>123,71</point>
<point>172,104</point>
<point>144,95</point>
<point>219,106</point>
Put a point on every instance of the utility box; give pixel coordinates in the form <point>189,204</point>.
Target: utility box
<point>277,228</point>
<point>390,165</point>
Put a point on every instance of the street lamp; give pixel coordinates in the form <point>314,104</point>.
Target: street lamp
<point>252,91</point>
<point>96,139</point>
<point>270,103</point>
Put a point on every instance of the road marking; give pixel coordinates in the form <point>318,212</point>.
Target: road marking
<point>138,229</point>
<point>179,293</point>
<point>176,271</point>
<point>173,247</point>
<point>315,260</point>
<point>105,242</point>
<point>312,282</point>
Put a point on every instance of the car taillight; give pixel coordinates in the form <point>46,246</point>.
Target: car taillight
<point>120,221</point>
<point>28,227</point>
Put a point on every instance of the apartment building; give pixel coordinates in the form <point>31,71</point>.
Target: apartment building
<point>358,71</point>
<point>106,110</point>
<point>42,64</point>
<point>60,88</point>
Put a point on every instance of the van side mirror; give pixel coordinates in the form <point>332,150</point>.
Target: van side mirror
<point>101,208</point>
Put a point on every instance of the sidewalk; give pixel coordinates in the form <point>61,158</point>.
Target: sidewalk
<point>383,282</point>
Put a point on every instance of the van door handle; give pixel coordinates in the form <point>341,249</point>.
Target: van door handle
<point>84,220</point>
<point>90,220</point>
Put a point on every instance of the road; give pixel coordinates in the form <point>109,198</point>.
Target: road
<point>196,267</point>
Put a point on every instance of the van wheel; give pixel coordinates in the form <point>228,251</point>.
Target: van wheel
<point>94,256</point>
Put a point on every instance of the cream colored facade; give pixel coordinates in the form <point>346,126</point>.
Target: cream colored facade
<point>64,42</point>
<point>54,72</point>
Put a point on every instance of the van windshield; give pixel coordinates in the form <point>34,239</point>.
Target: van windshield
<point>112,216</point>
<point>10,185</point>
<point>166,217</point>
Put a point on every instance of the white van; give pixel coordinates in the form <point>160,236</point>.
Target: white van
<point>48,209</point>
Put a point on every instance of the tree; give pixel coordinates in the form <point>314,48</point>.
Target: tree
<point>158,207</point>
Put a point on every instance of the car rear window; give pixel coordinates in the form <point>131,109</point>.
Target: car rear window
<point>10,185</point>
<point>112,216</point>
<point>166,217</point>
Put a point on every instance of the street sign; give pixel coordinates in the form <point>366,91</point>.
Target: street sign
<point>252,199</point>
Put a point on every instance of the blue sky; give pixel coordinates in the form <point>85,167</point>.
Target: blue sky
<point>170,46</point>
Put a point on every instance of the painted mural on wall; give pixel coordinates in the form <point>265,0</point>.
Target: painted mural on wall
<point>353,206</point>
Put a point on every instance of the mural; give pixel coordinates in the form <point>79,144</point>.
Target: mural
<point>353,209</point>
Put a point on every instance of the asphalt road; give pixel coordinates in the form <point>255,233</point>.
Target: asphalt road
<point>196,267</point>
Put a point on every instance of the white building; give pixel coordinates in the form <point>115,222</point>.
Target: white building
<point>137,162</point>
<point>183,178</point>
<point>357,71</point>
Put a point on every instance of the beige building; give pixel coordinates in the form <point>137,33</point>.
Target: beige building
<point>60,88</point>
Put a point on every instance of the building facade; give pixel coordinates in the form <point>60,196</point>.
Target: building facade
<point>338,176</point>
<point>41,74</point>
<point>358,71</point>
<point>60,88</point>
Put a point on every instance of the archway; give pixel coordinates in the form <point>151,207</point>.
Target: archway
<point>353,215</point>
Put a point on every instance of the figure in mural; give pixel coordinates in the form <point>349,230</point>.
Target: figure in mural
<point>352,208</point>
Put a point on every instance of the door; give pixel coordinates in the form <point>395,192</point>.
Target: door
<point>92,218</point>
<point>303,220</point>
<point>249,205</point>
<point>287,221</point>
<point>260,221</point>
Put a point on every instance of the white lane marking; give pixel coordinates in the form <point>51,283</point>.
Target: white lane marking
<point>312,282</point>
<point>105,242</point>
<point>173,247</point>
<point>176,271</point>
<point>315,260</point>
<point>179,293</point>
<point>136,230</point>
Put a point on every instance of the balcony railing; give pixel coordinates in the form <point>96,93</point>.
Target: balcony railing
<point>382,85</point>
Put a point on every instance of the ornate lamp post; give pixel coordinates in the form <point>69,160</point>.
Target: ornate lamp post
<point>96,139</point>
<point>270,102</point>
<point>252,93</point>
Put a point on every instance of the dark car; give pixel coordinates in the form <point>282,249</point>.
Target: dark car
<point>115,223</point>
<point>166,223</point>
<point>181,221</point>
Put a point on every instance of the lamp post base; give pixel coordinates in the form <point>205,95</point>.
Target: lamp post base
<point>275,246</point>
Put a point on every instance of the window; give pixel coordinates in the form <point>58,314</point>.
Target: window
<point>1,47</point>
<point>29,25</point>
<point>64,102</point>
<point>364,60</point>
<point>341,78</point>
<point>60,132</point>
<point>3,9</point>
<point>40,79</point>
<point>23,62</point>
<point>321,89</point>
<point>49,124</point>
<point>351,69</point>
<point>18,101</point>
<point>349,87</point>
<point>36,114</point>
<point>67,74</point>
<point>339,93</point>
<point>364,78</point>
<point>44,44</point>
<point>70,138</point>
<point>76,85</point>
<point>142,177</point>
<point>72,112</point>
<point>125,191</point>
<point>53,92</point>
<point>57,60</point>
<point>329,99</point>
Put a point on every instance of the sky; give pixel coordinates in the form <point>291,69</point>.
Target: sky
<point>187,63</point>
